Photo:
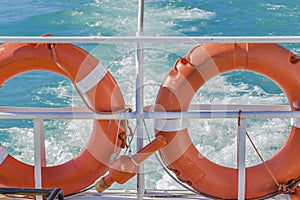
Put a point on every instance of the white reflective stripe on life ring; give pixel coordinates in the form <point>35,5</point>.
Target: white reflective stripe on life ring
<point>3,154</point>
<point>133,161</point>
<point>171,125</point>
<point>92,79</point>
<point>295,122</point>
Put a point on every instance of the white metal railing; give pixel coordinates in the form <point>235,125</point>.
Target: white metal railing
<point>232,111</point>
<point>151,39</point>
<point>139,98</point>
<point>197,111</point>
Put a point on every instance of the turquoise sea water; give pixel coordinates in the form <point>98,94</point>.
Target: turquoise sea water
<point>214,138</point>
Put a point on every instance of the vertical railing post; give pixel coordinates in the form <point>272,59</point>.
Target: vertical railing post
<point>140,98</point>
<point>39,153</point>
<point>241,154</point>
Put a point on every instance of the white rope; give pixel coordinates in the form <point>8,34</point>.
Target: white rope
<point>133,161</point>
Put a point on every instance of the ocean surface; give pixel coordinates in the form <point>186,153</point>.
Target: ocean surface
<point>216,139</point>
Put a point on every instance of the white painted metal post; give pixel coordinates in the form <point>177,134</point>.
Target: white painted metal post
<point>39,153</point>
<point>140,99</point>
<point>241,154</point>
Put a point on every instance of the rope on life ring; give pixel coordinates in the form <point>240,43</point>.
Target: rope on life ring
<point>103,94</point>
<point>177,90</point>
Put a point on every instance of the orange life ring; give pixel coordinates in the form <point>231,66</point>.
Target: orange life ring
<point>103,94</point>
<point>178,88</point>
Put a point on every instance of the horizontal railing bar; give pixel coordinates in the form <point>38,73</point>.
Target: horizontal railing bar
<point>65,115</point>
<point>196,111</point>
<point>41,109</point>
<point>151,39</point>
<point>227,107</point>
<point>222,114</point>
<point>150,115</point>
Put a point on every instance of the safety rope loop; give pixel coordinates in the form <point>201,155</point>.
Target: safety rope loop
<point>280,186</point>
<point>118,137</point>
<point>286,189</point>
<point>130,135</point>
<point>289,188</point>
<point>122,135</point>
<point>68,74</point>
<point>123,125</point>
